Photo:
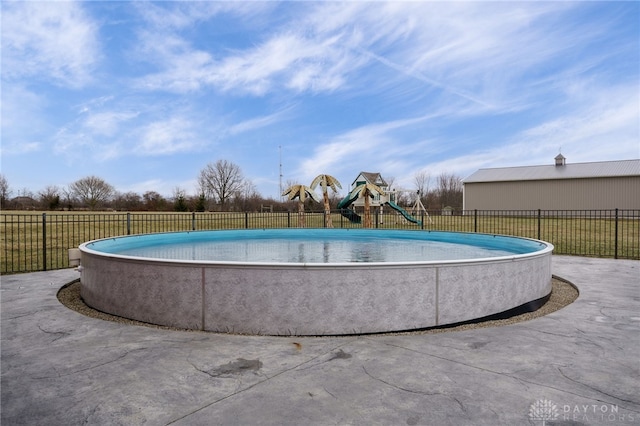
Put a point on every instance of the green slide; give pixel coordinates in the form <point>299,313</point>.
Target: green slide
<point>346,211</point>
<point>403,212</point>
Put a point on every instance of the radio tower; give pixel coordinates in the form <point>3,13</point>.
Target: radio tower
<point>280,153</point>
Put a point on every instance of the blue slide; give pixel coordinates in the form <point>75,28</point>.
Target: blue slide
<point>403,212</point>
<point>346,211</point>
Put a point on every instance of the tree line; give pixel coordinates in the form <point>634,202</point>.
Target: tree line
<point>221,187</point>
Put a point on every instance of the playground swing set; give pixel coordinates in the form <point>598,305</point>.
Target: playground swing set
<point>380,200</point>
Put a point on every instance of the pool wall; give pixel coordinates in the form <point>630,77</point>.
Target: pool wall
<point>311,299</point>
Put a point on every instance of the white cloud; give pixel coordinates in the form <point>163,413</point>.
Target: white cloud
<point>593,125</point>
<point>377,86</point>
<point>283,61</point>
<point>467,51</point>
<point>608,128</point>
<point>257,123</point>
<point>107,123</point>
<point>145,186</point>
<point>72,143</point>
<point>45,40</point>
<point>22,120</point>
<point>184,69</point>
<point>179,15</point>
<point>602,126</point>
<point>20,149</point>
<point>457,48</point>
<point>93,104</point>
<point>167,137</point>
<point>93,135</point>
<point>294,56</point>
<point>110,127</point>
<point>364,148</point>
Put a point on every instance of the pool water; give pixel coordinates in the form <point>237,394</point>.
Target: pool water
<point>316,246</point>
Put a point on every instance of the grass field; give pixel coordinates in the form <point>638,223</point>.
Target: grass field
<point>35,241</point>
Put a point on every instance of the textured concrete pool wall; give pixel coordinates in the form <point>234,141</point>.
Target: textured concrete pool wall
<point>312,299</point>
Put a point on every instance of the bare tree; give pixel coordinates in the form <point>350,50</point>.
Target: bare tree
<point>391,181</point>
<point>128,201</point>
<point>50,197</point>
<point>5,192</point>
<point>422,180</point>
<point>449,190</point>
<point>26,193</point>
<point>153,201</point>
<point>247,197</point>
<point>92,191</point>
<point>69,199</point>
<point>221,181</point>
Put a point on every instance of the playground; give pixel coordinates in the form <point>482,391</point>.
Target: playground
<point>378,196</point>
<point>346,208</point>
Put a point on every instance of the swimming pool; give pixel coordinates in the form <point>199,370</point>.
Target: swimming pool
<point>313,281</point>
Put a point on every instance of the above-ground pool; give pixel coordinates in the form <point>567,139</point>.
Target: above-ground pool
<point>313,281</point>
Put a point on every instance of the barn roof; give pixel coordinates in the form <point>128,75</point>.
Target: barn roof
<point>548,172</point>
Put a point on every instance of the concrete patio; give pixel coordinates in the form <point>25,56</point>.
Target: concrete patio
<point>577,366</point>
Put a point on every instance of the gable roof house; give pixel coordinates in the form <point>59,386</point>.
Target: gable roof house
<point>601,185</point>
<point>374,178</point>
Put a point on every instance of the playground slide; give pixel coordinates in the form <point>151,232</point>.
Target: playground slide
<point>346,211</point>
<point>403,212</point>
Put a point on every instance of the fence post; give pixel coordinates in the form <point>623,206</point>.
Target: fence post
<point>246,220</point>
<point>193,221</point>
<point>128,223</point>
<point>288,219</point>
<point>615,250</point>
<point>44,241</point>
<point>475,220</point>
<point>539,211</point>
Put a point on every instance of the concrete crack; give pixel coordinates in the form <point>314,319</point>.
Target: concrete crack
<point>266,378</point>
<point>201,370</point>
<point>233,368</point>
<point>92,366</point>
<point>521,380</point>
<point>340,354</point>
<point>325,389</point>
<point>61,333</point>
<point>399,387</point>
<point>547,332</point>
<point>596,389</point>
<point>89,415</point>
<point>414,391</point>
<point>20,316</point>
<point>462,407</point>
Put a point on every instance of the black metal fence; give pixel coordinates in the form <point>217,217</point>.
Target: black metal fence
<point>38,242</point>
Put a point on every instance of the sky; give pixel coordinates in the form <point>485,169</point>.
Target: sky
<point>145,94</point>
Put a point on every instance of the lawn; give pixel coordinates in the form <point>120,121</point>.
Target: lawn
<point>35,241</point>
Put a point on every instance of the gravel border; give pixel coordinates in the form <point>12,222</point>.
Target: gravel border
<point>563,293</point>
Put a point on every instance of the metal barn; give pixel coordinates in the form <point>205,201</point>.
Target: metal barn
<point>561,186</point>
